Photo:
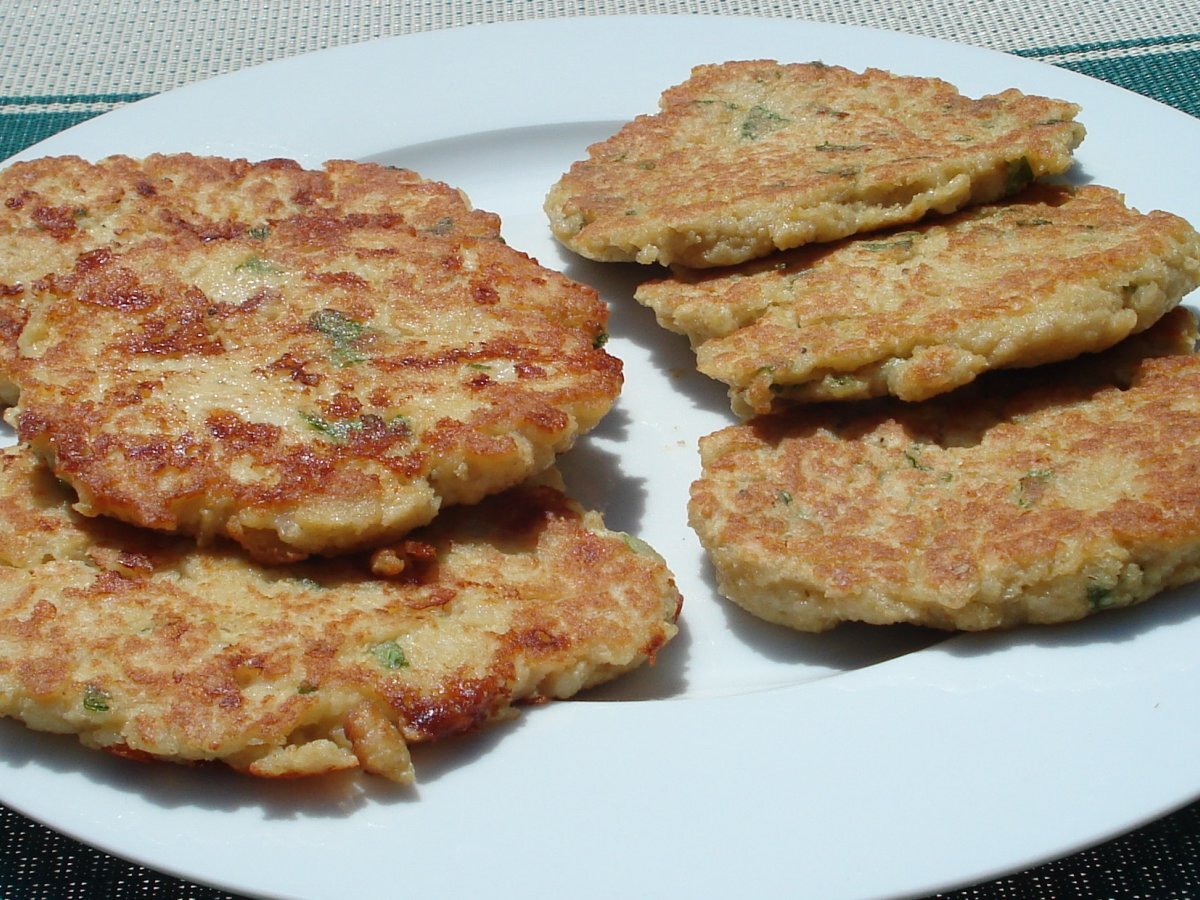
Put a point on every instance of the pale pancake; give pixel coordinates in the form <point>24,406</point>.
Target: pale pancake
<point>748,157</point>
<point>1036,496</point>
<point>916,312</point>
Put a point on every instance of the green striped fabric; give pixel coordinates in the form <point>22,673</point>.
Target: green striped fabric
<point>1161,68</point>
<point>26,120</point>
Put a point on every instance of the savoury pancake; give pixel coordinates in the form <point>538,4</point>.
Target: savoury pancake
<point>150,647</point>
<point>1033,496</point>
<point>748,157</point>
<point>913,313</point>
<point>307,362</point>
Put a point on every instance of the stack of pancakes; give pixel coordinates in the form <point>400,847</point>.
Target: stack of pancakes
<point>969,397</point>
<point>284,491</point>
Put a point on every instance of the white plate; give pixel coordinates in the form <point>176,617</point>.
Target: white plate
<point>857,763</point>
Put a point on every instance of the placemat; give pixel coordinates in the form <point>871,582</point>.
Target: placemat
<point>66,62</point>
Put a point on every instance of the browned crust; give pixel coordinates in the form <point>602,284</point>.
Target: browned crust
<point>150,647</point>
<point>216,346</point>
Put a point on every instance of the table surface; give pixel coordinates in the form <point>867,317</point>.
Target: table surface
<point>66,62</point>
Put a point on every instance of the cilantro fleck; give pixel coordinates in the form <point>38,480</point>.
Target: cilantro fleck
<point>95,699</point>
<point>390,655</point>
<point>256,265</point>
<point>1018,175</point>
<point>841,171</point>
<point>760,121</point>
<point>337,432</point>
<point>913,455</point>
<point>901,242</point>
<point>828,147</point>
<point>636,544</point>
<point>342,332</point>
<point>599,340</point>
<point>1031,486</point>
<point>1100,597</point>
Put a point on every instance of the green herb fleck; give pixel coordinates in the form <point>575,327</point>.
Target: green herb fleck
<point>828,147</point>
<point>841,171</point>
<point>389,655</point>
<point>1029,223</point>
<point>785,498</point>
<point>1100,597</point>
<point>95,699</point>
<point>1018,175</point>
<point>258,232</point>
<point>256,265</point>
<point>341,331</point>
<point>482,367</point>
<point>337,432</point>
<point>900,242</point>
<point>1031,486</point>
<point>761,121</point>
<point>441,227</point>
<point>913,455</point>
<point>599,340</point>
<point>306,687</point>
<point>636,544</point>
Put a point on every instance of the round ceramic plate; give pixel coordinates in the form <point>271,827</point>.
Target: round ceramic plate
<point>860,762</point>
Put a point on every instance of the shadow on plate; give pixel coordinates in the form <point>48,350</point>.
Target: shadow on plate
<point>665,679</point>
<point>850,646</point>
<point>216,787</point>
<point>1170,609</point>
<point>595,478</point>
<point>669,352</point>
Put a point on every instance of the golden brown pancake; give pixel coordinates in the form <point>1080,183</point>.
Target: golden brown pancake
<point>304,361</point>
<point>1034,496</point>
<point>913,313</point>
<point>748,157</point>
<point>150,647</point>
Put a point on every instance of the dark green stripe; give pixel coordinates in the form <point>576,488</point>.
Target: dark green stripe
<point>32,99</point>
<point>1169,77</point>
<point>19,130</point>
<point>1163,74</point>
<point>1127,44</point>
